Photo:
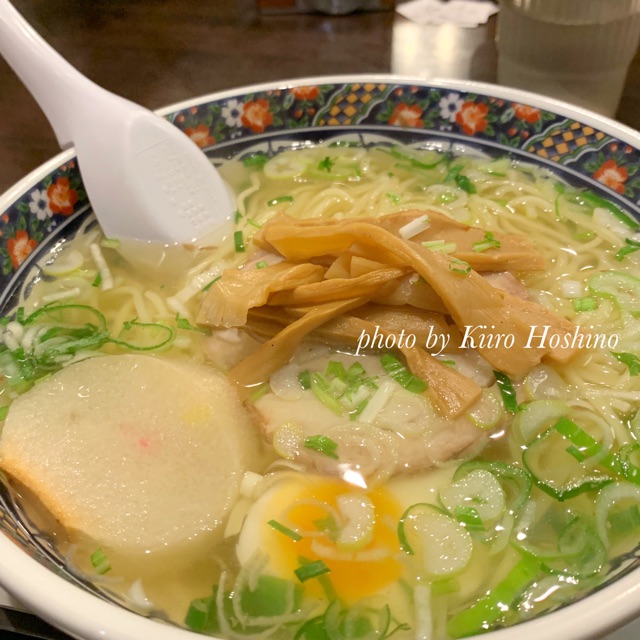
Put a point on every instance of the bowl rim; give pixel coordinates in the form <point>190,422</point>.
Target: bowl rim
<point>84,615</point>
<point>561,107</point>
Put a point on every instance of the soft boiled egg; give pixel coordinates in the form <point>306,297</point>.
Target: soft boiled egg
<point>350,532</point>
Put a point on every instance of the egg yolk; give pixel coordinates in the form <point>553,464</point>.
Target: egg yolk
<point>313,512</point>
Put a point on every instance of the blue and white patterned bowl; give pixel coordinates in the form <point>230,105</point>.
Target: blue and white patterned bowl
<point>582,147</point>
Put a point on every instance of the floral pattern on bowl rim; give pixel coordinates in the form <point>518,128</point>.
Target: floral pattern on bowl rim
<point>422,108</point>
<point>593,150</point>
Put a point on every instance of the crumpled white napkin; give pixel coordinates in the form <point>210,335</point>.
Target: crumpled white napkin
<point>464,13</point>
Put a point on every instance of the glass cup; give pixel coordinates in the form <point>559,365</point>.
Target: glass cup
<point>574,50</point>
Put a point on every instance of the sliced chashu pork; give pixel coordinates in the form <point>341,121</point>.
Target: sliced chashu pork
<point>405,436</point>
<point>142,455</point>
<point>450,392</point>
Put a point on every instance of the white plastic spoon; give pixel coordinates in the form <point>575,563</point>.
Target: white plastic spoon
<point>146,180</point>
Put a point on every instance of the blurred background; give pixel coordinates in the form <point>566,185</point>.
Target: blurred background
<point>157,52</point>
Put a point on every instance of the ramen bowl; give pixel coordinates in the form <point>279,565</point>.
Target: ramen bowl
<point>584,151</point>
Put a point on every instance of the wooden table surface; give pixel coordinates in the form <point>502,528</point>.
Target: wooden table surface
<point>157,52</point>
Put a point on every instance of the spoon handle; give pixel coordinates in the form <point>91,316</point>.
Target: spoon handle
<point>145,179</point>
<point>51,80</point>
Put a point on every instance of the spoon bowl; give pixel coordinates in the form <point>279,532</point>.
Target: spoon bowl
<point>145,179</point>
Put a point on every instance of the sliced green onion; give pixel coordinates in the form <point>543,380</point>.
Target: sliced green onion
<point>579,553</point>
<point>597,201</point>
<point>584,304</point>
<point>304,378</point>
<point>3,412</point>
<point>607,499</point>
<point>261,265</point>
<point>453,173</point>
<point>311,570</point>
<point>199,614</point>
<point>322,390</point>
<point>253,223</point>
<point>480,490</point>
<point>630,246</point>
<point>270,597</point>
<point>479,617</point>
<point>623,252</point>
<point>447,197</point>
<point>357,515</point>
<point>267,597</point>
<point>507,391</point>
<point>100,562</point>
<point>356,369</point>
<point>631,360</point>
<point>622,288</point>
<point>290,533</point>
<point>445,545</point>
<point>97,281</point>
<point>210,284</point>
<point>237,216</point>
<point>515,482</point>
<point>322,444</point>
<point>183,323</point>
<point>110,243</point>
<point>556,475</point>
<point>624,521</point>
<point>630,471</point>
<point>460,180</point>
<point>469,517</point>
<point>499,167</point>
<point>238,241</point>
<point>487,413</point>
<point>445,586</point>
<point>413,162</point>
<point>339,389</point>
<point>312,629</point>
<point>489,242</point>
<point>583,445</point>
<point>75,328</point>
<point>402,375</point>
<point>145,333</point>
<point>279,200</point>
<point>459,266</point>
<point>414,227</point>
<point>360,407</point>
<point>409,516</point>
<point>255,160</point>
<point>393,197</point>
<point>336,369</point>
<point>326,164</point>
<point>260,391</point>
<point>465,184</point>
<point>440,246</point>
<point>327,525</point>
<point>537,416</point>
